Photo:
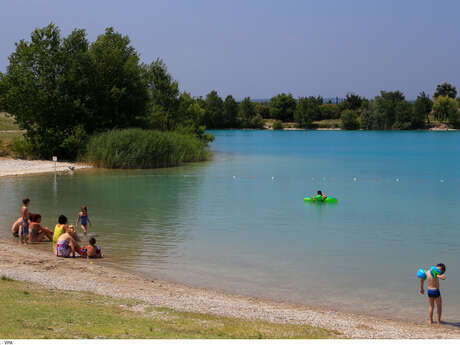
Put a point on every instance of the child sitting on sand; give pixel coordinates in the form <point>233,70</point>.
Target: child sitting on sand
<point>434,295</point>
<point>91,250</point>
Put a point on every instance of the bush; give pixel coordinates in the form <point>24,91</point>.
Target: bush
<point>21,148</point>
<point>138,148</point>
<point>277,125</point>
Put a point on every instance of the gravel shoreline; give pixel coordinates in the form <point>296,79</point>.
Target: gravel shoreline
<point>29,263</point>
<point>14,167</point>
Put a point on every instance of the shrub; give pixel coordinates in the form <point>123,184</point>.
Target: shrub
<point>138,148</point>
<point>277,125</point>
<point>21,148</point>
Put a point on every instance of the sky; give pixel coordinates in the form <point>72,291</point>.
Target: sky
<point>260,48</point>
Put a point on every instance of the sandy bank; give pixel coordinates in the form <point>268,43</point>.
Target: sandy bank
<point>11,167</point>
<point>27,263</point>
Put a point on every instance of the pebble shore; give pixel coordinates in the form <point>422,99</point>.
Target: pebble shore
<point>28,263</point>
<point>14,167</point>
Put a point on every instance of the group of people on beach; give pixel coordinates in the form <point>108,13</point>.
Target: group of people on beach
<point>66,241</point>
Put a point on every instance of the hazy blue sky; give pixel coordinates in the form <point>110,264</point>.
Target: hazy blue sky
<point>260,48</point>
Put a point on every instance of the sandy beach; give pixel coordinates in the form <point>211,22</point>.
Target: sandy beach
<point>28,263</point>
<point>13,167</point>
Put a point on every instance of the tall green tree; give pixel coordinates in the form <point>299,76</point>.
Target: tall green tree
<point>422,108</point>
<point>118,84</point>
<point>307,111</point>
<point>386,108</point>
<point>263,109</point>
<point>230,113</point>
<point>282,107</point>
<point>46,88</point>
<point>162,110</point>
<point>352,101</point>
<point>248,115</point>
<point>213,117</point>
<point>445,89</point>
<point>445,109</point>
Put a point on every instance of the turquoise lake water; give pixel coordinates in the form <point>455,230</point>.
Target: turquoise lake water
<point>238,223</point>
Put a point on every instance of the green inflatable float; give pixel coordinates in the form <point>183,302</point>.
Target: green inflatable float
<point>319,199</point>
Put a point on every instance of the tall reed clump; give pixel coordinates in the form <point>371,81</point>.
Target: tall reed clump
<point>139,148</point>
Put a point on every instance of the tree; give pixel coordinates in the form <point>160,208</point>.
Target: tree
<point>403,116</point>
<point>46,88</point>
<point>352,101</point>
<point>162,109</point>
<point>422,108</point>
<point>307,111</point>
<point>445,89</point>
<point>282,107</point>
<point>263,110</point>
<point>118,85</point>
<point>248,116</point>
<point>230,112</point>
<point>386,108</point>
<point>329,111</point>
<point>445,109</point>
<point>213,117</point>
<point>349,120</point>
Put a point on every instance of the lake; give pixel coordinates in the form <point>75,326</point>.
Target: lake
<point>238,223</point>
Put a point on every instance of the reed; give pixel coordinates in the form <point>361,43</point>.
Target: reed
<point>139,148</point>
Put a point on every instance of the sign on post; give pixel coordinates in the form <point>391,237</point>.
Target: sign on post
<point>55,160</point>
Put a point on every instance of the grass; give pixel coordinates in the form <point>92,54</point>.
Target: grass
<point>7,123</point>
<point>31,311</point>
<point>138,148</point>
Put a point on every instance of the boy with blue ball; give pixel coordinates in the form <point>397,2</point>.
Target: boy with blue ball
<point>434,295</point>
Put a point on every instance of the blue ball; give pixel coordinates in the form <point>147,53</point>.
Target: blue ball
<point>421,273</point>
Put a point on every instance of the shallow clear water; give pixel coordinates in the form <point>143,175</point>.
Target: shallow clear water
<point>239,223</point>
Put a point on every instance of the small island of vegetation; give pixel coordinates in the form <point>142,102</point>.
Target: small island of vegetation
<point>98,102</point>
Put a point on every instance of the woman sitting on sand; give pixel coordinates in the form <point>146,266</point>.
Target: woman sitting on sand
<point>37,232</point>
<point>66,244</point>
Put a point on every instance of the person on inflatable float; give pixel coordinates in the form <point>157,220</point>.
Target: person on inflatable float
<point>319,196</point>
<point>434,295</point>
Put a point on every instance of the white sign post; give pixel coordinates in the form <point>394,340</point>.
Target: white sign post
<point>55,163</point>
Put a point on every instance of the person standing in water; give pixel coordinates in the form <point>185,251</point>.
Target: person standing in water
<point>83,219</point>
<point>24,229</point>
<point>434,295</point>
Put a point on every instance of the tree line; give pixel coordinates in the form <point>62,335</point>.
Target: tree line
<point>63,90</point>
<point>389,110</point>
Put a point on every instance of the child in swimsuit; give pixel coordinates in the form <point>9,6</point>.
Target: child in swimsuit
<point>24,230</point>
<point>83,219</point>
<point>91,250</point>
<point>434,295</point>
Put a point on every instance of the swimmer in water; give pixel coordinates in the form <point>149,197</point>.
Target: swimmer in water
<point>319,196</point>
